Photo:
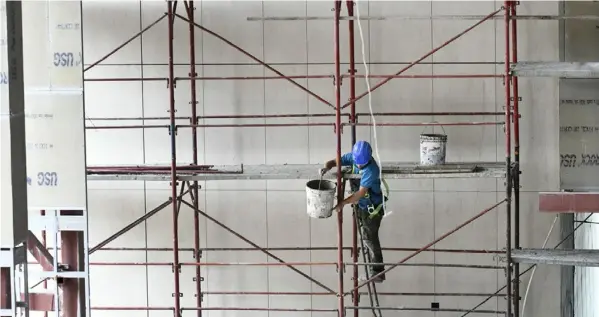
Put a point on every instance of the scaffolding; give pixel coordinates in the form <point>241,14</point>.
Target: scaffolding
<point>73,270</point>
<point>184,179</point>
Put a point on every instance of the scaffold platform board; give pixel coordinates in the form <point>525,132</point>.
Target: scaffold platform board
<point>556,69</point>
<point>392,170</point>
<point>577,257</point>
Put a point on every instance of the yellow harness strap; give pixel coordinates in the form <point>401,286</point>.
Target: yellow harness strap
<point>372,211</point>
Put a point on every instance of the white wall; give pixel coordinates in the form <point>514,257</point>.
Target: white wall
<point>273,213</point>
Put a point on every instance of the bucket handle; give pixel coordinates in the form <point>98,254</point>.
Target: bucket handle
<point>426,126</point>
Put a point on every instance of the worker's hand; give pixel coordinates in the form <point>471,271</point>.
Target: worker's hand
<point>338,208</point>
<point>323,171</point>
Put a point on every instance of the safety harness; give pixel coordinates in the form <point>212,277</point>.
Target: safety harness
<point>373,210</point>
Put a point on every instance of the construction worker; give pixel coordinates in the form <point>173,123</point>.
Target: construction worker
<point>367,193</point>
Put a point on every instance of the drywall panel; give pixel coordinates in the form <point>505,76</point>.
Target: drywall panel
<point>323,88</point>
<point>284,97</point>
<point>114,210</point>
<point>327,275</point>
<point>56,160</point>
<point>537,7</point>
<point>235,279</point>
<point>276,186</point>
<point>245,214</point>
<point>156,94</point>
<point>543,294</point>
<point>234,145</point>
<point>400,96</point>
<point>283,279</point>
<point>579,128</point>
<point>453,209</point>
<point>466,143</point>
<point>466,280</point>
<point>156,106</point>
<point>286,144</point>
<point>159,226</point>
<point>322,138</point>
<point>125,145</point>
<point>110,27</point>
<point>278,32</point>
<point>323,232</point>
<point>578,32</point>
<point>320,33</point>
<point>230,97</point>
<point>154,40</point>
<point>539,225</point>
<point>463,8</point>
<point>126,104</point>
<point>482,36</point>
<point>395,231</point>
<point>539,134</point>
<point>5,181</point>
<point>396,143</point>
<point>158,144</point>
<point>36,29</point>
<point>161,282</point>
<point>285,210</point>
<point>64,47</point>
<point>104,277</point>
<point>538,41</point>
<point>226,19</point>
<point>54,105</point>
<point>99,185</point>
<point>388,38</point>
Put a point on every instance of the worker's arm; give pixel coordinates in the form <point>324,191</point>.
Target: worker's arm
<point>367,181</point>
<point>346,160</point>
<point>352,199</point>
<point>330,164</point>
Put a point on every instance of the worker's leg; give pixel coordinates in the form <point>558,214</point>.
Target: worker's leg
<point>370,236</point>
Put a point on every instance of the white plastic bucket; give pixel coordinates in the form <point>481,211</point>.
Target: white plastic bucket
<point>432,149</point>
<point>320,196</point>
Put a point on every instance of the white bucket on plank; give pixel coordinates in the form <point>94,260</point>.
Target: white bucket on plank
<point>432,149</point>
<point>320,196</point>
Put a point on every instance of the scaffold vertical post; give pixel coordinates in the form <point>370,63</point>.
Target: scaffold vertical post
<point>173,136</point>
<point>508,167</point>
<point>338,127</point>
<point>45,244</point>
<point>352,119</point>
<point>516,175</point>
<point>194,139</point>
<point>5,289</point>
<point>70,257</point>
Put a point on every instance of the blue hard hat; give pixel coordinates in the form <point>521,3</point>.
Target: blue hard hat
<point>362,152</point>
